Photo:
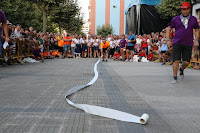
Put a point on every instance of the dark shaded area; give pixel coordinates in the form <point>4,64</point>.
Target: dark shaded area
<point>150,20</point>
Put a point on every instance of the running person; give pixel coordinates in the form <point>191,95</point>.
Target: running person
<point>105,46</point>
<point>183,39</point>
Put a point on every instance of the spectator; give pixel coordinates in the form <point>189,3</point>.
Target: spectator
<point>105,46</point>
<point>130,45</point>
<point>150,56</point>
<point>116,56</point>
<point>67,44</point>
<point>123,43</point>
<point>37,53</point>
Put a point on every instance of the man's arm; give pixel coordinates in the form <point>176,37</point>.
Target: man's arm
<point>5,28</point>
<point>196,41</point>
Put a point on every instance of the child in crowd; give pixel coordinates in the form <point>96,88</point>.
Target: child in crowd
<point>37,54</point>
<point>142,53</point>
<point>150,56</point>
<point>46,54</point>
<point>116,56</point>
<point>69,55</point>
<point>56,54</point>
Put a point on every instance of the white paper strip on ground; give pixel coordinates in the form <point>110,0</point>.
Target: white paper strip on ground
<point>101,111</point>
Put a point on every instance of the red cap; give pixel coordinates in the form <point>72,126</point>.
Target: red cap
<point>185,5</point>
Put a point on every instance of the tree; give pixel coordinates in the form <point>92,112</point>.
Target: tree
<point>22,12</point>
<point>104,30</point>
<point>170,8</point>
<point>46,6</point>
<point>67,17</point>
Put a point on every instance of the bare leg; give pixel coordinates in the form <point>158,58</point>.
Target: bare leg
<point>184,65</point>
<point>176,67</point>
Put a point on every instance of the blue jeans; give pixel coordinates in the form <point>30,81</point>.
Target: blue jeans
<point>146,48</point>
<point>67,47</point>
<point>72,49</point>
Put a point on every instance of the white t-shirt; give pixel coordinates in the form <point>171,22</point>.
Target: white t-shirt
<point>109,39</point>
<point>73,42</point>
<point>17,33</point>
<point>83,42</point>
<point>96,42</point>
<point>138,41</point>
<point>112,44</point>
<point>77,41</point>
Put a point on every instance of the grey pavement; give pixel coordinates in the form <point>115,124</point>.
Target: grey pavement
<point>32,97</point>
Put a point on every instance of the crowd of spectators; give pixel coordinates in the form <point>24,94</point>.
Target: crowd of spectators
<point>120,48</point>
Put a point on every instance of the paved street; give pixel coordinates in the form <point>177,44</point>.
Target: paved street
<point>32,97</point>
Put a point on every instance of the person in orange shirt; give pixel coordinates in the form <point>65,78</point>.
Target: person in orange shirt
<point>105,45</point>
<point>56,54</point>
<point>60,43</point>
<point>67,44</point>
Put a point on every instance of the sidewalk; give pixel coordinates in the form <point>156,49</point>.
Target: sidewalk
<point>32,97</point>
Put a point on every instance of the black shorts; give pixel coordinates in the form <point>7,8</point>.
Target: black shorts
<point>130,47</point>
<point>105,50</point>
<point>163,52</point>
<point>182,51</point>
<point>60,49</point>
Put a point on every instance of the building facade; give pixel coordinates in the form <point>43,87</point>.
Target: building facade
<point>108,12</point>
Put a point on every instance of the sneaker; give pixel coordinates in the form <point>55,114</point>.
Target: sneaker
<point>106,60</point>
<point>131,60</point>
<point>63,57</point>
<point>126,60</point>
<point>5,58</point>
<point>42,61</point>
<point>103,60</point>
<point>174,81</point>
<point>181,74</point>
<point>163,63</point>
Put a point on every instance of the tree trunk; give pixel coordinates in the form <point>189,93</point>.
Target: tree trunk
<point>60,29</point>
<point>44,21</point>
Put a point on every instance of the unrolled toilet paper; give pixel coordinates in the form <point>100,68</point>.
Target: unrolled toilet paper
<point>102,111</point>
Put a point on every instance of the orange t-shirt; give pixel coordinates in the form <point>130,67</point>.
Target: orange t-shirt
<point>55,53</point>
<point>60,42</point>
<point>44,54</point>
<point>106,45</point>
<point>67,42</point>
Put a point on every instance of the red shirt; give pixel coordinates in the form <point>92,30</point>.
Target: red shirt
<point>144,45</point>
<point>150,58</point>
<point>142,54</point>
<point>117,55</point>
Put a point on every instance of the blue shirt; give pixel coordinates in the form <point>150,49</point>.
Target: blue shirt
<point>164,46</point>
<point>131,37</point>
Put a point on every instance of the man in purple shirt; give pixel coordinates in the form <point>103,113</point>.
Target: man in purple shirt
<point>5,28</point>
<point>183,39</point>
<point>122,47</point>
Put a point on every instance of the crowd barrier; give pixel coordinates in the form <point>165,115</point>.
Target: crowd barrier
<point>22,49</point>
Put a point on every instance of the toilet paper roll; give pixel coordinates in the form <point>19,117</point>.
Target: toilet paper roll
<point>102,111</point>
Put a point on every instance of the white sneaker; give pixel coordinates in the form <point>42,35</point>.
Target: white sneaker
<point>174,81</point>
<point>126,60</point>
<point>131,60</point>
<point>5,58</point>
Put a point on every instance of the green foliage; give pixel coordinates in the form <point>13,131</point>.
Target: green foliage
<point>22,12</point>
<point>59,13</point>
<point>170,8</point>
<point>104,30</point>
<point>67,17</point>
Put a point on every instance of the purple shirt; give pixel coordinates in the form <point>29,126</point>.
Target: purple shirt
<point>183,36</point>
<point>123,42</point>
<point>2,18</point>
